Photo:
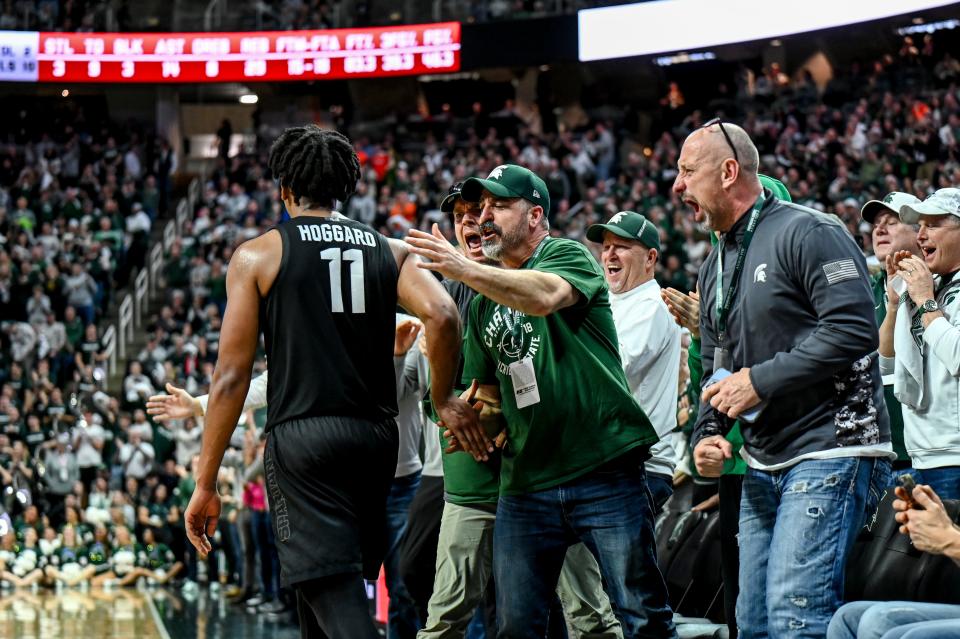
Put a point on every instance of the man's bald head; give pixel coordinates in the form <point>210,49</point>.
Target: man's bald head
<point>747,155</point>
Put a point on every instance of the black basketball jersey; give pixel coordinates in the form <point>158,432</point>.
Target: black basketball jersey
<point>329,321</point>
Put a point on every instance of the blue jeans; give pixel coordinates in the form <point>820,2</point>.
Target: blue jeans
<point>661,489</point>
<point>267,551</point>
<point>797,526</point>
<point>895,620</point>
<point>608,510</point>
<point>403,620</point>
<point>944,481</point>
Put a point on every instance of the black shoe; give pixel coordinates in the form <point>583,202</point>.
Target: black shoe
<point>272,607</point>
<point>253,602</point>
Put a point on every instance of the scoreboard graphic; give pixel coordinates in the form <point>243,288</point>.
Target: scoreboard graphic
<point>264,56</point>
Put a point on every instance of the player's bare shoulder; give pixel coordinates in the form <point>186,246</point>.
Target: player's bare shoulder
<point>259,259</point>
<point>400,251</point>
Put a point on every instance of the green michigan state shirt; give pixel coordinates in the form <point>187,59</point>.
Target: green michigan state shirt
<point>586,415</point>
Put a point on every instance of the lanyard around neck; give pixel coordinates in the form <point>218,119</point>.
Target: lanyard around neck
<point>725,303</point>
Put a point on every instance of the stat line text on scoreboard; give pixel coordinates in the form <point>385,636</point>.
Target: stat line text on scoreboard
<point>229,57</point>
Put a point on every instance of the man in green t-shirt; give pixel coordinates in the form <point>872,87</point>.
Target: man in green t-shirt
<point>464,543</point>
<point>889,235</point>
<point>540,336</point>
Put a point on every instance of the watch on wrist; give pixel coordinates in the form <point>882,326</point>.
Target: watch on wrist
<point>930,306</point>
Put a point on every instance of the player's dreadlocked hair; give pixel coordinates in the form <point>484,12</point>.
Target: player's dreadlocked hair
<point>317,165</point>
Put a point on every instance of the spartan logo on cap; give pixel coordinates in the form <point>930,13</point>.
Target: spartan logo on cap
<point>616,218</point>
<point>888,198</point>
<point>536,194</point>
<point>497,173</point>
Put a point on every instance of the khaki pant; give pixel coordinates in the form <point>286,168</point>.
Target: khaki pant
<point>464,566</point>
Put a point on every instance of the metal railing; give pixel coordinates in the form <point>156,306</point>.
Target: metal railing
<point>213,15</point>
<point>141,288</point>
<point>154,266</point>
<point>125,324</point>
<point>117,337</point>
<point>109,344</point>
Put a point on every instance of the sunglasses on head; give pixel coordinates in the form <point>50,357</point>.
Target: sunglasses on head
<point>726,135</point>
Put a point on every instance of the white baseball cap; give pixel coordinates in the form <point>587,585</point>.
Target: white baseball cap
<point>942,202</point>
<point>891,203</point>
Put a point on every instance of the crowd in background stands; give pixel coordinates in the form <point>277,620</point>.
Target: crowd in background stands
<point>54,15</point>
<point>77,206</point>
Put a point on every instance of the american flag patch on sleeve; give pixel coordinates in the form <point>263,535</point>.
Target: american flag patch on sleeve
<point>840,270</point>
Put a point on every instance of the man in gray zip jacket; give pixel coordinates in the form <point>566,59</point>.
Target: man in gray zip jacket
<point>794,325</point>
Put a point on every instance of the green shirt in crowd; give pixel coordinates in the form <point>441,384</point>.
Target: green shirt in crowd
<point>894,410</point>
<point>586,415</point>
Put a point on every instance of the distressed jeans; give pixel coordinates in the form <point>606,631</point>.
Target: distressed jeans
<point>797,526</point>
<point>895,620</point>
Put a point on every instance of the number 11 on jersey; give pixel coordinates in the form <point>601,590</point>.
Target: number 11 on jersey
<point>355,257</point>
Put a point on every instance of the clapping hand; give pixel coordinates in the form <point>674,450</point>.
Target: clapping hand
<point>685,308</point>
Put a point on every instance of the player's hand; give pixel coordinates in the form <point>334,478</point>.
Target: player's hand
<point>179,404</point>
<point>201,518</point>
<point>732,395</point>
<point>440,255</point>
<point>461,417</point>
<point>709,455</point>
<point>406,335</point>
<point>685,308</point>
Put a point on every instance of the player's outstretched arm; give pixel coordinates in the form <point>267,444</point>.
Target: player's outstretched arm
<point>422,295</point>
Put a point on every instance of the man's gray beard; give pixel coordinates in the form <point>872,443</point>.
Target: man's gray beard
<point>492,249</point>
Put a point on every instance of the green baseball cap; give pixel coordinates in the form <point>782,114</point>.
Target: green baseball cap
<point>630,226</point>
<point>776,187</point>
<point>509,180</point>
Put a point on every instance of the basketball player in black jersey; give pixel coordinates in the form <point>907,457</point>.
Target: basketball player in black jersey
<point>324,290</point>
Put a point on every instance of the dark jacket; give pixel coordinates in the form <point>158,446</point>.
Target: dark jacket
<point>802,320</point>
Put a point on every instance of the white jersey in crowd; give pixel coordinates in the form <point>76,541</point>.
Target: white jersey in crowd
<point>926,371</point>
<point>650,352</point>
<point>417,376</point>
<point>410,418</point>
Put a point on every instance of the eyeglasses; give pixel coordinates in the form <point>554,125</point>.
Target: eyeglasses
<point>726,136</point>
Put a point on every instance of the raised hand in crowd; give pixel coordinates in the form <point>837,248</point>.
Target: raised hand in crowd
<point>685,308</point>
<point>407,332</point>
<point>176,404</point>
